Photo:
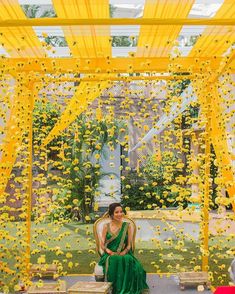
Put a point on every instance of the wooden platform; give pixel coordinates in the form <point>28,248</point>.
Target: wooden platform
<point>91,287</point>
<point>48,288</point>
<point>193,279</point>
<point>43,270</point>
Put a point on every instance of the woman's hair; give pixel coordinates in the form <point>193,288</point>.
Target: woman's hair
<point>112,207</point>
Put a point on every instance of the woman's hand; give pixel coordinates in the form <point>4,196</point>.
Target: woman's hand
<point>110,252</point>
<point>124,252</point>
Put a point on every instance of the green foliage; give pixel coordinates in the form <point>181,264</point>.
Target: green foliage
<point>84,148</point>
<point>157,185</point>
<point>178,86</point>
<point>76,156</point>
<point>191,41</point>
<point>45,115</point>
<point>56,41</point>
<point>123,41</point>
<point>189,116</point>
<point>162,171</point>
<point>35,11</point>
<point>111,10</point>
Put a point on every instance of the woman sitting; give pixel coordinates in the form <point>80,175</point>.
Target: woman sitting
<point>120,265</point>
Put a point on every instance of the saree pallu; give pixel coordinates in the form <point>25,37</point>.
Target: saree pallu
<point>125,272</point>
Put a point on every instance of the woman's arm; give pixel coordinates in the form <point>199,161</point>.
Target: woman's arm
<point>102,243</point>
<point>103,237</point>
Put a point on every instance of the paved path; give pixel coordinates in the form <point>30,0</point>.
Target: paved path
<point>164,285</point>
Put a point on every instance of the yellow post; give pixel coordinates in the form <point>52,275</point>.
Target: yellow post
<point>30,175</point>
<point>205,225</point>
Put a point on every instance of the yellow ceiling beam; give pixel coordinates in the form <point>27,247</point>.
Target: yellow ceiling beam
<point>106,65</point>
<point>225,64</point>
<point>37,22</point>
<point>113,78</point>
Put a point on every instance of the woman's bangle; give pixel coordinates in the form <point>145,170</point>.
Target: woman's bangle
<point>126,250</point>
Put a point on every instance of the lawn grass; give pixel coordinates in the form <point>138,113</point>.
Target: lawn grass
<point>77,245</point>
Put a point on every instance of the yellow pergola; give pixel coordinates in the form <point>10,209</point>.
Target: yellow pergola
<point>87,29</point>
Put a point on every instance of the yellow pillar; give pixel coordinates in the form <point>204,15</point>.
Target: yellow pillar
<point>205,218</point>
<point>30,175</point>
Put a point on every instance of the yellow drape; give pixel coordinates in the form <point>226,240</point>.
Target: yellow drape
<point>207,96</point>
<point>85,41</point>
<point>18,41</point>
<point>158,40</point>
<point>12,141</point>
<point>216,40</point>
<point>86,92</point>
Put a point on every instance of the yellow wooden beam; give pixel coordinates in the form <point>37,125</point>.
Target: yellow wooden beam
<point>29,22</point>
<point>227,61</point>
<point>47,80</point>
<point>107,65</point>
<point>206,197</point>
<point>32,92</point>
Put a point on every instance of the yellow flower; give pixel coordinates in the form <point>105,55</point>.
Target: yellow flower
<point>97,156</point>
<point>69,255</point>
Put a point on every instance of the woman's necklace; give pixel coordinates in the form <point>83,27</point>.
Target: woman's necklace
<point>117,227</point>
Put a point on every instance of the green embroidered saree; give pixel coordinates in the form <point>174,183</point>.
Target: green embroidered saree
<point>125,272</point>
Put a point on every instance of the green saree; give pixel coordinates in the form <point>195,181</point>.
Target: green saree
<point>125,272</point>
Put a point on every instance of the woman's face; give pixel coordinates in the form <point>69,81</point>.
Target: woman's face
<point>118,213</point>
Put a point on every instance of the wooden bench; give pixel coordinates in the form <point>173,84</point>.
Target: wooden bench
<point>48,288</point>
<point>43,270</point>
<point>91,287</point>
<point>193,279</point>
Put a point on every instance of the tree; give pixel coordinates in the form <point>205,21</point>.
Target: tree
<point>84,148</point>
<point>45,115</point>
<point>159,184</point>
<point>35,11</point>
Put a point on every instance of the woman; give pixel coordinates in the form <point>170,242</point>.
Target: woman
<point>120,266</point>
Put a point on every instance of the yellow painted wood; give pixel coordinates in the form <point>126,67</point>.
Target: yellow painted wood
<point>104,65</point>
<point>217,131</point>
<point>31,93</point>
<point>205,199</point>
<point>220,143</point>
<point>103,22</point>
